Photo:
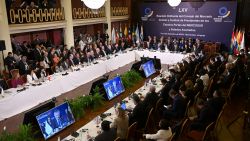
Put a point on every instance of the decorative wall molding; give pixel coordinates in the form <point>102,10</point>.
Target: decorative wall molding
<point>119,11</point>
<point>22,16</point>
<point>87,13</point>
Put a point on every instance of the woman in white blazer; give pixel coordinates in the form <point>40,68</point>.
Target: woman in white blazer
<point>163,134</point>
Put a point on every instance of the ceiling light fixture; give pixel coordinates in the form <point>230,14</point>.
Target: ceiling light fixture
<point>94,4</point>
<point>174,3</point>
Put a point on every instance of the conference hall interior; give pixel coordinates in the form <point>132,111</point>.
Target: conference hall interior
<point>124,70</point>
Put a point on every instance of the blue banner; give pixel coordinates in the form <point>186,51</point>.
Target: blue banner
<point>209,21</point>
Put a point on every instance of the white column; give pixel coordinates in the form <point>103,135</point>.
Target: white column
<point>108,16</point>
<point>4,31</point>
<point>68,30</point>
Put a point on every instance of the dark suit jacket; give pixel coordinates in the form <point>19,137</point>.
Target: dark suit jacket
<point>106,136</point>
<point>150,100</point>
<point>37,55</point>
<point>178,109</point>
<point>205,117</point>
<point>138,115</point>
<point>216,104</point>
<point>22,68</point>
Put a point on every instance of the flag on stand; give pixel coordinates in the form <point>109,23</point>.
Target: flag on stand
<point>120,31</point>
<point>126,31</point>
<point>117,35</point>
<point>232,43</point>
<point>113,37</point>
<point>137,34</point>
<point>141,34</point>
<point>242,44</point>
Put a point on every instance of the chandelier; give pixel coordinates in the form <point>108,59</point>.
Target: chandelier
<point>94,4</point>
<point>174,3</point>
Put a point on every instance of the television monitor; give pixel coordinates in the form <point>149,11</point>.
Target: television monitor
<point>55,120</point>
<point>30,116</point>
<point>99,83</point>
<point>148,68</point>
<point>113,87</point>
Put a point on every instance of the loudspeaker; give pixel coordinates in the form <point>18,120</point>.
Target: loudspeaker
<point>2,45</point>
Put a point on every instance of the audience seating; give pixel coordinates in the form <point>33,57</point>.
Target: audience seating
<point>9,83</point>
<point>157,111</point>
<point>131,132</point>
<point>184,126</point>
<point>118,139</point>
<point>149,126</point>
<point>172,137</point>
<point>201,135</point>
<point>229,93</point>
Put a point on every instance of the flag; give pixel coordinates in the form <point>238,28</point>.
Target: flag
<point>242,44</point>
<point>137,34</point>
<point>232,43</point>
<point>117,35</point>
<point>120,31</point>
<point>141,34</point>
<point>113,37</point>
<point>133,34</point>
<point>125,31</point>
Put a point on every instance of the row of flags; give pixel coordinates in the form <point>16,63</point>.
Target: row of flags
<point>135,34</point>
<point>237,41</point>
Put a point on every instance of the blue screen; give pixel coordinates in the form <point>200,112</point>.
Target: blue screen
<point>148,68</point>
<point>113,87</point>
<point>55,120</point>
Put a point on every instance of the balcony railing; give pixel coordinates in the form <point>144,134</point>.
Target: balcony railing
<point>87,13</point>
<point>20,16</point>
<point>119,11</point>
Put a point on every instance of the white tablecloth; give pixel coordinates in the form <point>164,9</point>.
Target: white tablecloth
<point>166,57</point>
<point>15,103</point>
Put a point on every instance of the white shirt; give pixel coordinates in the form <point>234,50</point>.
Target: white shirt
<point>31,79</point>
<point>161,135</point>
<point>205,79</point>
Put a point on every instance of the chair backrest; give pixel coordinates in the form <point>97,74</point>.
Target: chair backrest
<point>13,72</point>
<point>149,122</point>
<point>209,86</point>
<point>188,105</point>
<point>172,137</point>
<point>218,118</point>
<point>9,83</point>
<point>131,131</point>
<point>183,127</point>
<point>157,111</point>
<point>118,139</point>
<point>196,97</point>
<point>209,128</point>
<point>229,92</point>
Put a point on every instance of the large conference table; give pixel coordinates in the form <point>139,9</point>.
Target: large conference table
<point>14,102</point>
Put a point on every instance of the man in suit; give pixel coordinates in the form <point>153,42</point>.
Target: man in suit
<point>164,91</point>
<point>23,66</point>
<point>138,114</point>
<point>107,133</point>
<point>178,108</point>
<point>205,116</point>
<point>10,61</point>
<point>37,53</point>
<point>151,98</point>
<point>58,121</point>
<point>217,102</point>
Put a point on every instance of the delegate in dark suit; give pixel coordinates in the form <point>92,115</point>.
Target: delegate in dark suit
<point>138,115</point>
<point>178,109</point>
<point>205,117</point>
<point>150,100</point>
